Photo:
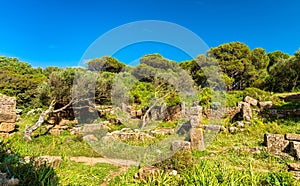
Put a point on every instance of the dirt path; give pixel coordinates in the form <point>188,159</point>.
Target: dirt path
<point>123,164</point>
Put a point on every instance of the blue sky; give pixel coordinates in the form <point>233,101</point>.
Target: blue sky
<point>58,32</point>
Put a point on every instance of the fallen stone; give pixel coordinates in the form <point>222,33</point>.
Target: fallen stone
<point>173,173</point>
<point>246,111</point>
<point>296,174</point>
<point>4,135</point>
<point>4,181</point>
<point>265,104</point>
<point>90,138</point>
<point>163,131</point>
<point>251,100</point>
<point>75,131</point>
<point>64,122</point>
<point>180,145</point>
<point>295,149</point>
<point>294,166</point>
<point>239,124</point>
<point>52,161</point>
<point>148,171</point>
<point>139,113</point>
<point>292,137</point>
<point>197,140</point>
<point>195,122</point>
<point>7,127</point>
<point>212,127</point>
<point>233,129</point>
<point>275,142</point>
<point>55,132</point>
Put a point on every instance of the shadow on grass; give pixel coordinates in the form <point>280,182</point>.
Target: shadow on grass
<point>15,167</point>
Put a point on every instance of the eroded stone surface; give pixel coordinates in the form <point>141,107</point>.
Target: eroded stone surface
<point>197,140</point>
<point>295,149</point>
<point>275,142</point>
<point>251,100</point>
<point>180,145</point>
<point>292,137</point>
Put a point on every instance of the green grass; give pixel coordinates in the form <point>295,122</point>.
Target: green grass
<point>228,160</point>
<point>72,173</point>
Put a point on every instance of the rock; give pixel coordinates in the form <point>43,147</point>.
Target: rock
<point>52,161</point>
<point>148,171</point>
<point>55,132</point>
<point>265,104</point>
<point>75,131</point>
<point>163,131</point>
<point>173,173</point>
<point>194,120</point>
<point>133,113</point>
<point>250,100</point>
<point>245,110</point>
<point>212,127</point>
<point>91,128</point>
<point>295,149</point>
<point>105,122</point>
<point>292,137</point>
<point>90,138</point>
<point>284,155</point>
<point>139,113</point>
<point>4,135</point>
<point>294,166</point>
<point>239,124</point>
<point>196,110</point>
<point>275,142</point>
<point>233,129</point>
<point>64,122</point>
<point>180,145</point>
<point>4,181</point>
<point>296,175</point>
<point>8,117</point>
<point>7,127</point>
<point>197,140</point>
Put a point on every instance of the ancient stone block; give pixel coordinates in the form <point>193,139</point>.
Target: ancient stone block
<point>196,110</point>
<point>8,117</point>
<point>251,100</point>
<point>55,132</point>
<point>139,113</point>
<point>245,110</point>
<point>292,137</point>
<point>148,171</point>
<point>7,127</point>
<point>180,145</point>
<point>194,120</point>
<point>294,166</point>
<point>275,142</point>
<point>295,149</point>
<point>52,161</point>
<point>197,139</point>
<point>4,135</point>
<point>265,104</point>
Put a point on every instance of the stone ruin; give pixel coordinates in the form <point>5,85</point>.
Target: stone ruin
<point>7,115</point>
<point>287,146</point>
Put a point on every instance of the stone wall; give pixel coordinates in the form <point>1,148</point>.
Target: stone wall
<point>7,115</point>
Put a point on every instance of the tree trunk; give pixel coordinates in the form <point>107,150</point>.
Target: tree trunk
<point>30,129</point>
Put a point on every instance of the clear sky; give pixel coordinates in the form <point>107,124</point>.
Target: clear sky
<point>57,32</point>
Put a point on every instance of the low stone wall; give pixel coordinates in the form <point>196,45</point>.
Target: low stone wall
<point>7,115</point>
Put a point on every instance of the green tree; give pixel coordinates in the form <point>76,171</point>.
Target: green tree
<point>106,63</point>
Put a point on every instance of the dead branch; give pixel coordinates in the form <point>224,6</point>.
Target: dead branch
<point>30,129</point>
